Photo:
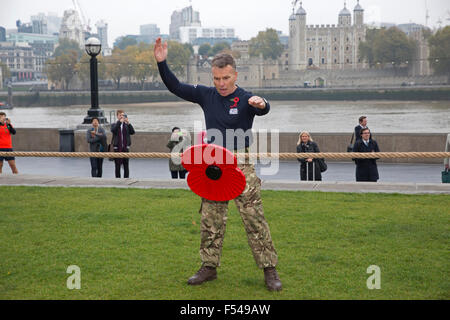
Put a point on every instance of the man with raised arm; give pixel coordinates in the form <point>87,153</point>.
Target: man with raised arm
<point>227,106</point>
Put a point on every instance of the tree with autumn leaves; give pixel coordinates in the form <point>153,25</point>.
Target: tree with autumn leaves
<point>134,63</point>
<point>440,51</point>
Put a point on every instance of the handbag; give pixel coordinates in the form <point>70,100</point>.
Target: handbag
<point>350,146</point>
<point>322,165</point>
<point>445,176</point>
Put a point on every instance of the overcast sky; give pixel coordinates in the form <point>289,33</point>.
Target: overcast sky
<point>246,16</point>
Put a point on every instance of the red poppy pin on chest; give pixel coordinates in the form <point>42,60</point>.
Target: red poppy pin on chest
<point>213,172</point>
<point>233,108</point>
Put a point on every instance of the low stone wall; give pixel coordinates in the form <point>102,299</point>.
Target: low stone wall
<point>49,99</point>
<point>36,140</point>
<point>28,139</point>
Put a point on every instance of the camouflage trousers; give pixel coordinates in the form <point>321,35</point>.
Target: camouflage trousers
<point>249,205</point>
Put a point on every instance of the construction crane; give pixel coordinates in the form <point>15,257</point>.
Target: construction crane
<point>86,25</point>
<point>427,16</point>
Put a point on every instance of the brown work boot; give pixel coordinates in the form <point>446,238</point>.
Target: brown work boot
<point>272,279</point>
<point>202,275</point>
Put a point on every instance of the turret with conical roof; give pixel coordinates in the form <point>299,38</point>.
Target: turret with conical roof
<point>345,17</point>
<point>358,15</point>
<point>300,10</point>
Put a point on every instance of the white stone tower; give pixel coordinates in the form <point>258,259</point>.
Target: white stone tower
<point>358,15</point>
<point>297,38</point>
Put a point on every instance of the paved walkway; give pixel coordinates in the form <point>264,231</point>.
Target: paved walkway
<point>287,170</point>
<point>154,173</point>
<point>325,186</point>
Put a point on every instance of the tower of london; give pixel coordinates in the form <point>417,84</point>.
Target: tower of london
<point>330,47</point>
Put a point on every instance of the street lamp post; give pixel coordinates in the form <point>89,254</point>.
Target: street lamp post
<point>93,48</point>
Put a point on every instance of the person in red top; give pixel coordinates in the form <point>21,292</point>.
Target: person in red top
<point>6,130</point>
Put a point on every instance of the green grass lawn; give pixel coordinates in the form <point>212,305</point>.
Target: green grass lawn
<point>143,244</point>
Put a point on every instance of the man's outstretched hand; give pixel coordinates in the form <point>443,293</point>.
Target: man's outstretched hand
<point>257,102</point>
<point>160,50</point>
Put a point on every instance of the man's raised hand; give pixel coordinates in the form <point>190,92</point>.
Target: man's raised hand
<point>160,50</point>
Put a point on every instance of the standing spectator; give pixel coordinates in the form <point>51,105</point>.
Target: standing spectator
<point>176,138</point>
<point>96,137</point>
<point>366,169</point>
<point>122,131</point>
<point>6,130</point>
<point>447,149</point>
<point>309,168</point>
<point>362,125</point>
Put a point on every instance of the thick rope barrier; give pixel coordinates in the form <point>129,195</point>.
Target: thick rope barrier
<point>279,156</point>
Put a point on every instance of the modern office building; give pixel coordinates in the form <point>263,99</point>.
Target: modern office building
<point>39,23</point>
<point>198,35</point>
<point>102,34</point>
<point>185,17</point>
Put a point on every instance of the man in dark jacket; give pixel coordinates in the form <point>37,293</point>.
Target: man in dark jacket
<point>366,169</point>
<point>96,137</point>
<point>122,131</point>
<point>362,125</point>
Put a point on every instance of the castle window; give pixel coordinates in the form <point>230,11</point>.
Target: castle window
<point>310,49</point>
<point>323,60</point>
<point>335,48</point>
<point>335,61</point>
<point>348,61</point>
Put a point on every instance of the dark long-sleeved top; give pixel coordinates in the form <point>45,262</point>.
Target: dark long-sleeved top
<point>221,113</point>
<point>115,129</point>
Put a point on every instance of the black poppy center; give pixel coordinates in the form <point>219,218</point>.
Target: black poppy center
<point>213,172</point>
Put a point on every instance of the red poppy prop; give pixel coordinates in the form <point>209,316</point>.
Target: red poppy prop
<point>213,172</point>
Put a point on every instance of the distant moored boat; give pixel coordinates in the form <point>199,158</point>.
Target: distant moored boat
<point>5,105</point>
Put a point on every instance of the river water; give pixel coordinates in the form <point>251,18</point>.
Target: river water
<point>286,116</point>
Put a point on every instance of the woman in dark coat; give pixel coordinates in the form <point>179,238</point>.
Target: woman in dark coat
<point>177,137</point>
<point>309,168</point>
<point>366,169</point>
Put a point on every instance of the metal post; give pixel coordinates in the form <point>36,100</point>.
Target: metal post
<point>95,110</point>
<point>94,83</point>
